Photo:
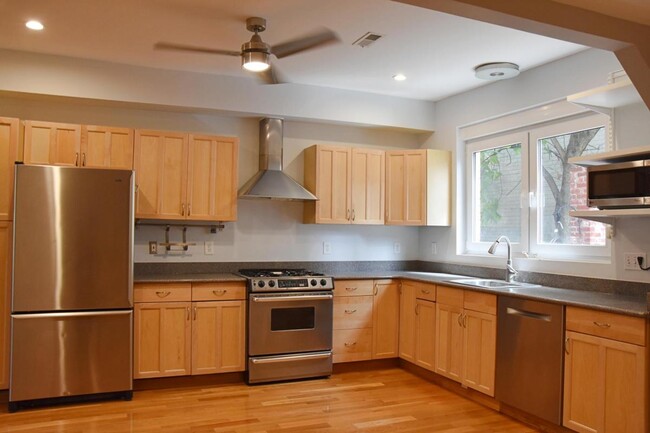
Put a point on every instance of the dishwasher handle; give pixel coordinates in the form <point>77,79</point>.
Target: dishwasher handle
<point>528,314</point>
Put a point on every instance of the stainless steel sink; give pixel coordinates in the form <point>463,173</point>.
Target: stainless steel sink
<point>492,284</point>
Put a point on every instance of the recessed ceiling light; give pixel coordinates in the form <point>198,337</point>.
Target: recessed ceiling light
<point>34,25</point>
<point>496,71</point>
<point>399,77</point>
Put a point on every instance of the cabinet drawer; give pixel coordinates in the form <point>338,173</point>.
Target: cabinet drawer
<point>353,287</point>
<point>425,291</point>
<point>449,296</point>
<point>222,291</point>
<point>353,312</point>
<point>165,292</point>
<point>608,325</point>
<point>481,302</point>
<point>352,345</point>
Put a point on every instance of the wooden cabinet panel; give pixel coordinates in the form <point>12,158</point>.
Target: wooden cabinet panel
<point>607,325</point>
<point>395,187</point>
<point>367,186</point>
<point>162,341</point>
<point>52,143</point>
<point>9,129</point>
<point>353,288</point>
<point>352,312</point>
<point>218,336</point>
<point>425,326</point>
<point>162,292</point>
<point>327,176</point>
<point>415,172</point>
<point>106,147</point>
<point>426,291</point>
<point>407,321</point>
<point>450,352</point>
<point>480,350</point>
<point>385,320</point>
<point>482,302</point>
<point>352,345</point>
<point>218,291</point>
<point>5,296</point>
<point>450,296</point>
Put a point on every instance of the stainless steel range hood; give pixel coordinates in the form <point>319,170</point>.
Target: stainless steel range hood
<point>270,182</point>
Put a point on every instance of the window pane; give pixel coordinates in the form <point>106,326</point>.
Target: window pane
<point>498,188</point>
<point>564,188</point>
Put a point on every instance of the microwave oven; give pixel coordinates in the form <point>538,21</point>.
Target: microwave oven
<point>619,185</point>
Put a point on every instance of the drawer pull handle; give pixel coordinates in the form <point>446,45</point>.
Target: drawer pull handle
<point>350,344</point>
<point>163,293</point>
<point>566,346</point>
<point>376,290</point>
<point>602,325</point>
<point>350,289</point>
<point>426,292</point>
<point>350,311</point>
<point>220,292</point>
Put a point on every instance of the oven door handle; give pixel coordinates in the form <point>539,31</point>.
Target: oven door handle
<point>291,358</point>
<point>291,298</point>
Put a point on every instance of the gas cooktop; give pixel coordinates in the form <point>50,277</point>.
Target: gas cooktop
<point>270,280</point>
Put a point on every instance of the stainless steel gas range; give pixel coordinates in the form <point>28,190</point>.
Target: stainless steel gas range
<point>289,324</point>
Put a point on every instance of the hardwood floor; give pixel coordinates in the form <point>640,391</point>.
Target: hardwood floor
<point>385,400</point>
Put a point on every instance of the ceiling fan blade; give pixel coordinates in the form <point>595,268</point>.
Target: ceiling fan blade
<point>304,43</point>
<point>179,47</point>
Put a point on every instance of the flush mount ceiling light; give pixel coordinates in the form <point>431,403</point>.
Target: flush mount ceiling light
<point>34,25</point>
<point>399,77</point>
<point>496,71</point>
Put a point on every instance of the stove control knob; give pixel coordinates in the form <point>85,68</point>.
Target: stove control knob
<point>260,284</point>
<point>323,282</point>
<point>313,282</point>
<point>271,283</point>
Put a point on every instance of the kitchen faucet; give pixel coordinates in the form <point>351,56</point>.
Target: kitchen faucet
<point>510,271</point>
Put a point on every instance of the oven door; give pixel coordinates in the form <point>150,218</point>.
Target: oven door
<point>289,322</point>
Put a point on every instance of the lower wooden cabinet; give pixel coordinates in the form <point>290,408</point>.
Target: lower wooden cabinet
<point>417,323</point>
<point>425,328</point>
<point>605,379</point>
<point>5,294</point>
<point>385,319</point>
<point>186,331</point>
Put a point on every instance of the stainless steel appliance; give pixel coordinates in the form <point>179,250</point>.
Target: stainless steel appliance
<point>619,185</point>
<point>71,319</point>
<point>530,356</point>
<point>289,324</point>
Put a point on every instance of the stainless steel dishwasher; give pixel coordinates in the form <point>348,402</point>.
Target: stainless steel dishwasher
<point>530,356</point>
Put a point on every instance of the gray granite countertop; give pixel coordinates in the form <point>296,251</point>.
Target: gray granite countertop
<point>616,303</point>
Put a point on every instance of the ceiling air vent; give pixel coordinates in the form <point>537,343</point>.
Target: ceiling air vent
<point>367,39</point>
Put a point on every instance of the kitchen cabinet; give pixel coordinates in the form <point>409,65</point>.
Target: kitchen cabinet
<point>418,187</point>
<point>353,320</point>
<point>106,147</point>
<point>466,337</point>
<point>185,177</point>
<point>183,329</point>
<point>349,184</point>
<point>5,296</point>
<point>9,131</point>
<point>417,323</point>
<point>385,319</point>
<point>605,373</point>
<point>52,143</point>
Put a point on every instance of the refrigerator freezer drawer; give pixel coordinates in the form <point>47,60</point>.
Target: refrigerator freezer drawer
<point>70,354</point>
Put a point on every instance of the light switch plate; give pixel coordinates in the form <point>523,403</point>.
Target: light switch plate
<point>209,248</point>
<point>153,247</point>
<point>397,248</point>
<point>327,248</point>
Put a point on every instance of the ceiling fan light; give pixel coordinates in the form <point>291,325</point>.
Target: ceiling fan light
<point>255,61</point>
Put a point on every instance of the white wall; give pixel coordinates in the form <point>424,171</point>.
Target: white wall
<point>547,83</point>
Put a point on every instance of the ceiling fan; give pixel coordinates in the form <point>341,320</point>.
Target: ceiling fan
<point>255,54</point>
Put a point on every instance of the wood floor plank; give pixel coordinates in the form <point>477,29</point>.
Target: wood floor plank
<point>388,400</point>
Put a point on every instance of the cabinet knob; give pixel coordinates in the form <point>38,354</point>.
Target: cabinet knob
<point>354,343</point>
<point>350,311</point>
<point>219,292</point>
<point>163,293</point>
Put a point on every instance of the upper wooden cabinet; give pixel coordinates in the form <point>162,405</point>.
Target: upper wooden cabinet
<point>9,129</point>
<point>418,187</point>
<point>348,182</point>
<point>52,143</point>
<point>181,176</point>
<point>106,147</point>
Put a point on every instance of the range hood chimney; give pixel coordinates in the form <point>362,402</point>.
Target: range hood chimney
<point>270,182</point>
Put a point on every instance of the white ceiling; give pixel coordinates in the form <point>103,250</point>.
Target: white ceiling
<point>437,52</point>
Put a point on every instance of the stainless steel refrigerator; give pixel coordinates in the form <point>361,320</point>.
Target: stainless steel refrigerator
<point>72,310</point>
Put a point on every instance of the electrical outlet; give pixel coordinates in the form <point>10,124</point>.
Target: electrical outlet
<point>153,247</point>
<point>631,263</point>
<point>434,248</point>
<point>397,248</point>
<point>327,248</point>
<point>208,248</point>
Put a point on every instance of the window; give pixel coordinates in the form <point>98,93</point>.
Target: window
<point>521,185</point>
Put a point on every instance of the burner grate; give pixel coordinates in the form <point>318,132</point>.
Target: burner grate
<point>277,273</point>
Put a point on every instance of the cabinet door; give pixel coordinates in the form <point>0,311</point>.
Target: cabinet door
<point>160,163</point>
<point>406,182</point>
<point>218,336</point>
<point>407,322</point>
<point>8,149</point>
<point>332,184</point>
<point>106,147</point>
<point>449,341</point>
<point>212,178</point>
<point>425,335</point>
<point>367,183</point>
<point>52,143</point>
<point>5,293</point>
<point>385,320</point>
<point>162,340</point>
<point>480,351</point>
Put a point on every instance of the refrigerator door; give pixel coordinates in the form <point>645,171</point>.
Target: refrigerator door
<point>73,231</point>
<point>70,354</point>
